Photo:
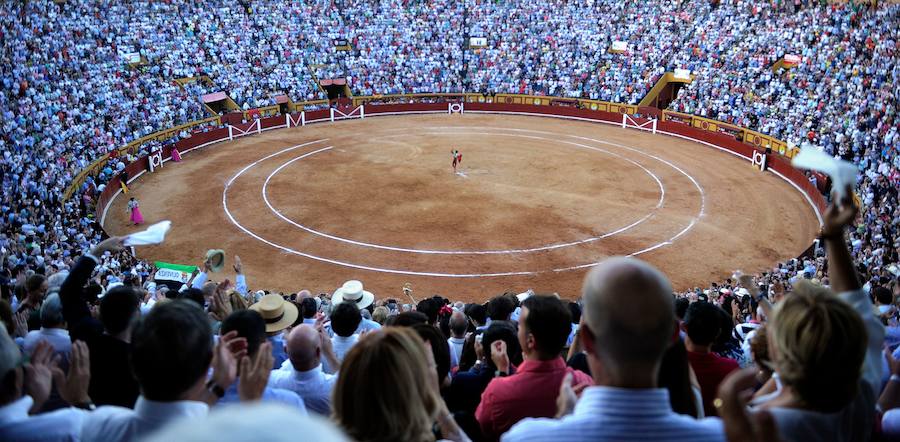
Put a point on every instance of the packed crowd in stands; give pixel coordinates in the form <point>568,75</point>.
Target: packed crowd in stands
<point>89,353</point>
<point>69,98</point>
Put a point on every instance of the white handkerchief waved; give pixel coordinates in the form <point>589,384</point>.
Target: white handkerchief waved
<point>842,173</point>
<point>154,234</point>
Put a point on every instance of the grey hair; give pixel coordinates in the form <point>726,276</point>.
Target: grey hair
<point>51,311</point>
<point>55,281</point>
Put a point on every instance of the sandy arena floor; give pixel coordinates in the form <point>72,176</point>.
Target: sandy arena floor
<point>537,200</point>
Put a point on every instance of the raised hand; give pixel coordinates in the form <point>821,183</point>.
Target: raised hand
<point>568,396</point>
<point>839,215</point>
<point>73,386</point>
<point>742,425</point>
<point>39,374</point>
<point>228,351</point>
<point>220,308</point>
<point>21,320</point>
<point>238,267</point>
<point>255,373</point>
<point>499,356</point>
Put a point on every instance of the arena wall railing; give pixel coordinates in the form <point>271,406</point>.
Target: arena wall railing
<point>741,142</point>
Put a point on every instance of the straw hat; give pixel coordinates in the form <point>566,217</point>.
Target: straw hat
<point>278,313</point>
<point>216,259</point>
<point>352,291</point>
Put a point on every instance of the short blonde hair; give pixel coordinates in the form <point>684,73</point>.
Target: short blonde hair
<point>385,391</point>
<point>380,314</point>
<point>820,344</point>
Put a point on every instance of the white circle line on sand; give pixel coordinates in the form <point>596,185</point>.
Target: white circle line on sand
<point>451,275</point>
<point>659,204</point>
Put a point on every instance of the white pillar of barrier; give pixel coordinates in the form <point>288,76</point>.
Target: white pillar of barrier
<point>230,133</point>
<point>258,126</point>
<point>332,114</point>
<point>362,112</point>
<point>303,118</point>
<point>287,120</point>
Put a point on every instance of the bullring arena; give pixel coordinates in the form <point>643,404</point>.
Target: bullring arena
<point>535,203</point>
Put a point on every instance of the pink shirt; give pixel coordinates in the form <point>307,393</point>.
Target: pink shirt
<point>531,392</point>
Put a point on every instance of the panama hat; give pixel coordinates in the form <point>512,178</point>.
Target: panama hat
<point>278,313</point>
<point>216,259</point>
<point>352,291</point>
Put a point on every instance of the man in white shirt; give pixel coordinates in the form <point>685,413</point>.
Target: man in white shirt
<point>251,326</point>
<point>172,351</point>
<point>21,395</point>
<point>306,348</point>
<point>458,325</point>
<point>627,325</point>
<point>53,329</point>
<point>345,319</point>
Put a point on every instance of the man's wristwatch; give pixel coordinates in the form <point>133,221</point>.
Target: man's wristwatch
<point>500,374</point>
<point>215,389</point>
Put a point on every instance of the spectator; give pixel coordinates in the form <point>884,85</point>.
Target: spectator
<point>109,340</point>
<point>172,351</point>
<point>827,349</point>
<point>544,325</point>
<point>35,290</point>
<point>263,421</point>
<point>478,314</point>
<point>279,315</point>
<point>345,319</point>
<point>430,307</point>
<point>466,388</point>
<point>500,308</point>
<point>676,376</point>
<point>440,351</point>
<point>627,324</point>
<point>458,326</point>
<point>249,324</point>
<point>408,407</point>
<point>702,326</point>
<point>309,308</point>
<point>25,387</point>
<point>306,347</point>
<point>380,315</point>
<point>53,329</point>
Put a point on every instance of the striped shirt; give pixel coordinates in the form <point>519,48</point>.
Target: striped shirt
<point>618,414</point>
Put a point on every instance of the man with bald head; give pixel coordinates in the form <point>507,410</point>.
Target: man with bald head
<point>458,325</point>
<point>306,346</point>
<point>627,324</point>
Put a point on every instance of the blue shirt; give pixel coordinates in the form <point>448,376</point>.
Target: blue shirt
<point>279,395</point>
<point>278,351</point>
<point>619,414</point>
<point>367,325</point>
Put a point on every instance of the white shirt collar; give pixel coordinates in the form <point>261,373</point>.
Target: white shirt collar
<point>16,411</point>
<point>346,339</point>
<point>165,411</point>
<point>55,331</point>
<point>308,375</point>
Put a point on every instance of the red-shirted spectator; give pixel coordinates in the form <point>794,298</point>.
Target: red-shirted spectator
<point>701,323</point>
<point>544,326</point>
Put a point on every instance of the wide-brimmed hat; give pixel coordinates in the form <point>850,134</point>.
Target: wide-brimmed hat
<point>216,259</point>
<point>278,313</point>
<point>352,291</point>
